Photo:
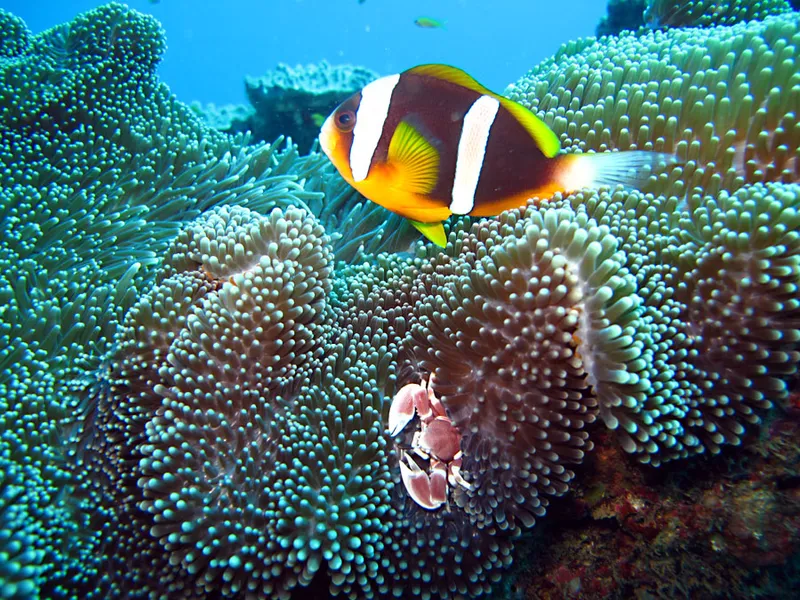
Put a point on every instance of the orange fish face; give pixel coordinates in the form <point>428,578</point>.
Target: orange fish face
<point>336,135</point>
<point>359,137</point>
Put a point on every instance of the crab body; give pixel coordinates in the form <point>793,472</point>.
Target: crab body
<point>438,441</point>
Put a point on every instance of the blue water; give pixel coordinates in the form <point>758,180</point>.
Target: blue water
<point>213,44</point>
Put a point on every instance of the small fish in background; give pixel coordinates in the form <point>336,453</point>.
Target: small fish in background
<point>318,119</point>
<point>432,142</point>
<point>155,1</point>
<point>429,23</point>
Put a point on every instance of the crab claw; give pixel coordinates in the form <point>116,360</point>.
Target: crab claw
<point>402,409</point>
<point>429,491</point>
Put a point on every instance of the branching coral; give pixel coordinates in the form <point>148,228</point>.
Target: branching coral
<point>705,13</point>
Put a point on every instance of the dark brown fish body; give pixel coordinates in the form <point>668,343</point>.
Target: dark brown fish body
<point>431,142</point>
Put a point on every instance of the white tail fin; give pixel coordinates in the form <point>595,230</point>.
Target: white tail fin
<point>630,169</point>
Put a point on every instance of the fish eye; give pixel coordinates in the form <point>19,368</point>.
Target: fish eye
<point>346,120</point>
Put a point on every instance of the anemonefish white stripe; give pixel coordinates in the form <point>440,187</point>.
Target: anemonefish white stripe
<point>376,97</point>
<point>471,150</point>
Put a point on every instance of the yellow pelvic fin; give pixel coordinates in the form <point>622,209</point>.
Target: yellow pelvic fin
<point>433,231</point>
<point>544,137</point>
<point>416,161</point>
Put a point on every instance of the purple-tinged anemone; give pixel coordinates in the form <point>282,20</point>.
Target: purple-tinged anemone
<point>245,345</point>
<point>524,327</point>
<point>707,13</point>
<point>740,314</point>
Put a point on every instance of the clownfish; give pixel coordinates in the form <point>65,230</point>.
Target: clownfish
<point>432,142</point>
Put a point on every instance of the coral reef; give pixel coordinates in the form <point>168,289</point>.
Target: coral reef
<point>288,101</point>
<point>710,529</point>
<point>705,13</point>
<point>622,15</point>
<point>293,101</point>
<point>195,383</point>
<point>228,118</point>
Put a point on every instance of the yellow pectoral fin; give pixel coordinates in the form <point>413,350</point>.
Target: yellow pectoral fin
<point>414,160</point>
<point>433,231</point>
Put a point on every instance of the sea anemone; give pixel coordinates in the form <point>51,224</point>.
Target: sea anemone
<point>724,101</point>
<point>100,165</point>
<point>194,402</point>
<point>507,324</point>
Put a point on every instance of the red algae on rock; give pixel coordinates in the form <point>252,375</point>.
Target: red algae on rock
<point>719,529</point>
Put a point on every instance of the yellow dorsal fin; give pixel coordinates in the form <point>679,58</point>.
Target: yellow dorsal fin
<point>543,136</point>
<point>416,160</point>
<point>433,231</point>
<point>453,75</point>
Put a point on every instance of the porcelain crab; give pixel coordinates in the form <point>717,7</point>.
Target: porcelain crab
<point>438,441</point>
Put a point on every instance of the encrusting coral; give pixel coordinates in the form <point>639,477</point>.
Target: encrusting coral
<point>195,393</point>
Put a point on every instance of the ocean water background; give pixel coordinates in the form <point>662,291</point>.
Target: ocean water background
<point>213,44</point>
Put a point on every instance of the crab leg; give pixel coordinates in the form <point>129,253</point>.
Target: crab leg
<point>429,491</point>
<point>454,474</point>
<point>429,406</point>
<point>402,409</point>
